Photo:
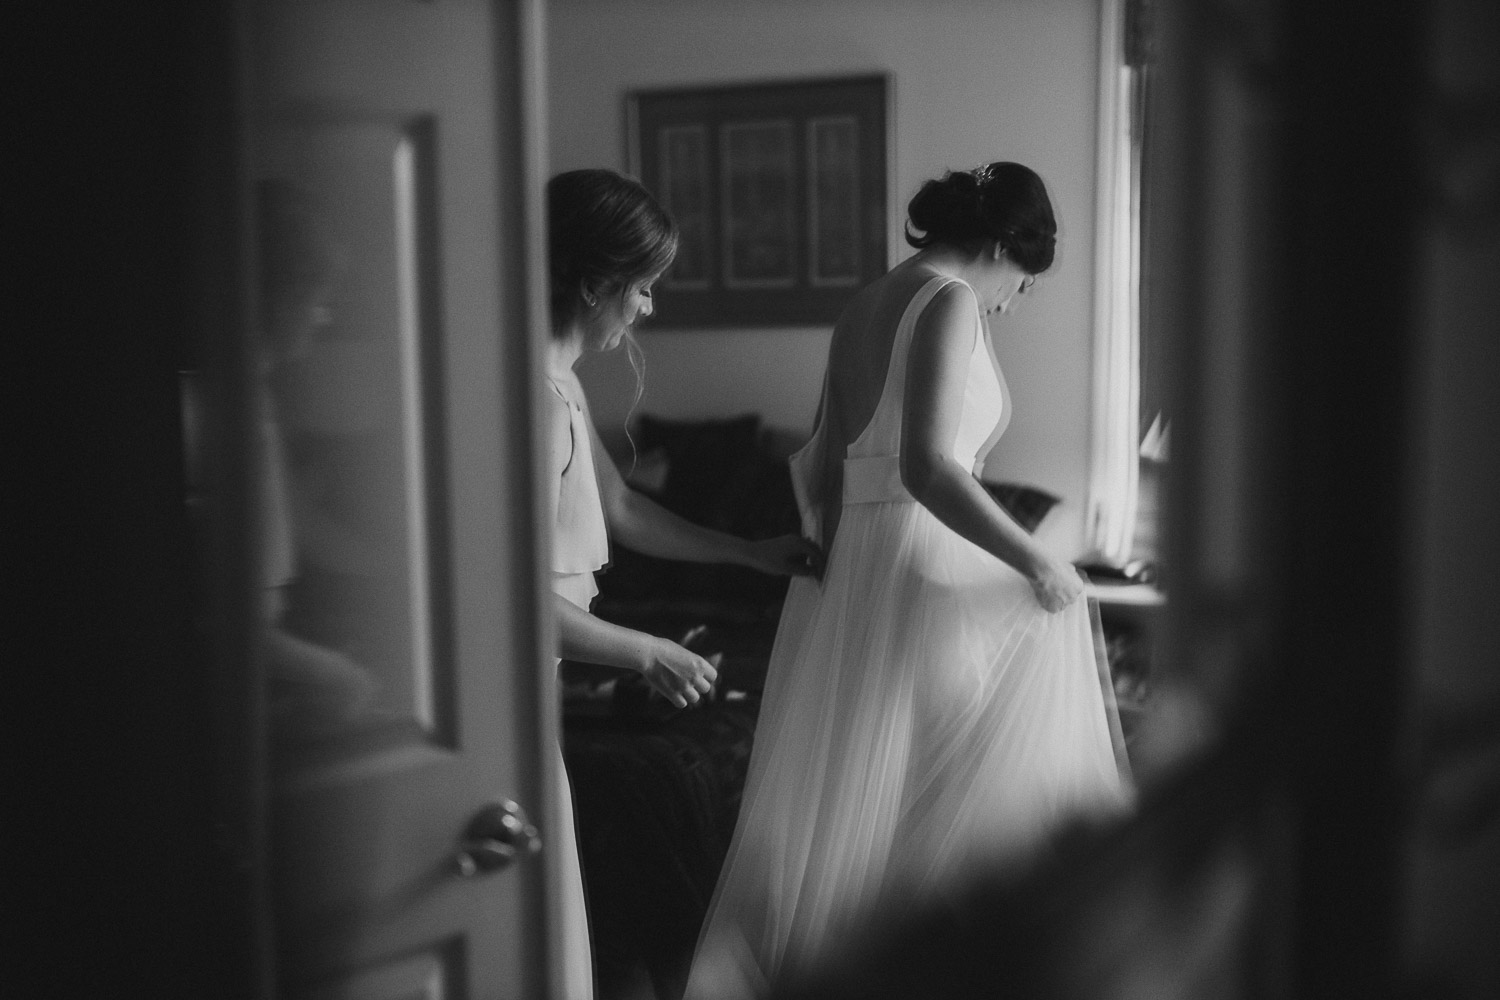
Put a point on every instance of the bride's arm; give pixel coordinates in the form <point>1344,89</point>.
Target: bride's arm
<point>936,375</point>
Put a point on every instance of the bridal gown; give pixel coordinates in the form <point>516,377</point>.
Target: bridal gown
<point>922,714</point>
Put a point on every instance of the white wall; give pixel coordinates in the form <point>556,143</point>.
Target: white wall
<point>975,80</point>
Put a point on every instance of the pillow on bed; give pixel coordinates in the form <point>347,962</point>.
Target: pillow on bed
<point>701,458</point>
<point>1027,504</point>
<point>717,474</point>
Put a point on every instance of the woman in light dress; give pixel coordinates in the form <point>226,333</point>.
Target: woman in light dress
<point>609,242</point>
<point>938,701</point>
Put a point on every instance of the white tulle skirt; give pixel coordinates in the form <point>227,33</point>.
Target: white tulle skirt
<point>923,717</point>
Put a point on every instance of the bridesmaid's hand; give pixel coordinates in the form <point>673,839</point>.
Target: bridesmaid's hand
<point>681,676</point>
<point>1056,585</point>
<point>789,555</point>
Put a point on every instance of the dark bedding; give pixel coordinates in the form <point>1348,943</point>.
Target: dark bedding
<point>656,804</point>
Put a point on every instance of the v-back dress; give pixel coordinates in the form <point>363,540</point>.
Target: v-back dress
<point>923,716</point>
<point>580,548</point>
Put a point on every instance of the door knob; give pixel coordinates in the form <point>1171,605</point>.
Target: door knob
<point>496,836</point>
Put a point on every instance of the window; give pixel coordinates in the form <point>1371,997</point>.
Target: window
<point>1126,398</point>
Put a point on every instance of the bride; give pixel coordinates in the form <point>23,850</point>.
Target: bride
<point>937,702</point>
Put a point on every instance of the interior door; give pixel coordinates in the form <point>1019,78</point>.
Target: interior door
<point>396,176</point>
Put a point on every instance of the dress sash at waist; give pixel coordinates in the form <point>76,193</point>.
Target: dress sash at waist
<point>874,479</point>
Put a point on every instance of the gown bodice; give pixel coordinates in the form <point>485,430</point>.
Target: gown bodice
<point>872,467</point>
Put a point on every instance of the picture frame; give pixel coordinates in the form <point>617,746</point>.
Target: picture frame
<point>779,192</point>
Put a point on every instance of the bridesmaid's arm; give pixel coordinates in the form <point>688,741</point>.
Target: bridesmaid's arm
<point>936,374</point>
<point>642,524</point>
<point>682,676</point>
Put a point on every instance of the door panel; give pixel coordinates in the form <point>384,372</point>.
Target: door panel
<point>361,408</point>
<point>395,348</point>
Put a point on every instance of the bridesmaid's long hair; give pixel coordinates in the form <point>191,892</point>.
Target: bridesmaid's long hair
<point>604,231</point>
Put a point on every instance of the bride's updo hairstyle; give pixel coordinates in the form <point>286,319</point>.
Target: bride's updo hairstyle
<point>998,201</point>
<point>604,231</point>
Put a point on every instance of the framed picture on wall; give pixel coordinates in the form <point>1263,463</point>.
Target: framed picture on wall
<point>779,190</point>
